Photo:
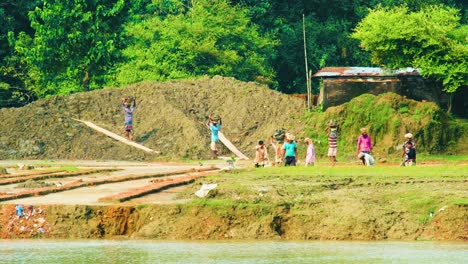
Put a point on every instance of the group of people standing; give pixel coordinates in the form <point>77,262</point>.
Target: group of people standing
<point>364,147</point>
<point>285,145</point>
<point>285,148</point>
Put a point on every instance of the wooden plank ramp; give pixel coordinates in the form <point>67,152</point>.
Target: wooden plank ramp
<point>117,137</point>
<point>231,146</point>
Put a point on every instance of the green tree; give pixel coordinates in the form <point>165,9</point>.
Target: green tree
<point>14,19</point>
<point>328,26</point>
<point>75,44</point>
<point>210,37</point>
<point>431,39</point>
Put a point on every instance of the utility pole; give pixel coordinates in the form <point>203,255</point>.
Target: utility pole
<point>308,84</point>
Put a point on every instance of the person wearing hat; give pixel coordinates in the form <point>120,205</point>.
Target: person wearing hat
<point>364,144</point>
<point>214,124</point>
<point>290,150</point>
<point>409,151</point>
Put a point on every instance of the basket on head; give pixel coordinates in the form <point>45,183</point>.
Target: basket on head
<point>279,135</point>
<point>332,123</point>
<point>129,99</point>
<point>215,118</point>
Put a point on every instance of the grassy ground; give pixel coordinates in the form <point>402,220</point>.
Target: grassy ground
<point>445,158</point>
<point>346,197</point>
<point>344,202</point>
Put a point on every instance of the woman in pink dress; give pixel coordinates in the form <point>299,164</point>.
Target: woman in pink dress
<point>310,155</point>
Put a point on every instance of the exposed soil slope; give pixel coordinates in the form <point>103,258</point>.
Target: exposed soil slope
<point>169,117</point>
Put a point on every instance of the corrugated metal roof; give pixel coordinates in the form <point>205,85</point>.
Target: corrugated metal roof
<point>363,71</point>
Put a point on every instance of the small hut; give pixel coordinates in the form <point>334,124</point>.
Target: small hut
<point>341,84</point>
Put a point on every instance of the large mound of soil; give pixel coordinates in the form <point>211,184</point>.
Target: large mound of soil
<point>170,118</point>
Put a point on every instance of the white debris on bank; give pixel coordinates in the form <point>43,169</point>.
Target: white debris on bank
<point>205,189</point>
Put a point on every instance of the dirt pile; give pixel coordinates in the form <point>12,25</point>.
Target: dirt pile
<point>170,118</point>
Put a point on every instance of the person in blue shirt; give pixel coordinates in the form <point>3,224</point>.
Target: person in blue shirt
<point>214,124</point>
<point>290,151</point>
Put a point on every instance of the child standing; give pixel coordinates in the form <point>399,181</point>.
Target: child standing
<point>310,154</point>
<point>261,155</point>
<point>128,109</point>
<point>19,210</point>
<point>409,149</point>
<point>410,154</point>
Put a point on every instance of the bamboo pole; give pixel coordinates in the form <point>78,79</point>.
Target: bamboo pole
<point>305,59</point>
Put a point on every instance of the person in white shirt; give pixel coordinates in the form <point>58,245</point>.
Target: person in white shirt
<point>368,159</point>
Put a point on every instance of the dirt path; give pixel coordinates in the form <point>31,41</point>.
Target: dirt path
<point>90,195</point>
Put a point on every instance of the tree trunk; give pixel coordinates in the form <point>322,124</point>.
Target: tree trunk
<point>449,103</point>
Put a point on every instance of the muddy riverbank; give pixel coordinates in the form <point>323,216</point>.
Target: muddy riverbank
<point>189,222</point>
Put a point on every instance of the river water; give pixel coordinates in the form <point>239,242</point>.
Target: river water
<point>144,251</point>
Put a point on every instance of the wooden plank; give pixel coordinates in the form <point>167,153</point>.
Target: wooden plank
<point>230,146</point>
<point>116,137</point>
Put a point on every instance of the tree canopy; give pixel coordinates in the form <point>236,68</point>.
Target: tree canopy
<point>59,47</point>
<point>211,38</point>
<point>74,46</point>
<point>431,39</point>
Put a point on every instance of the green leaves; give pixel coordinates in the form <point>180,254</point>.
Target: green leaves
<point>429,39</point>
<point>212,38</point>
<point>74,46</point>
<point>58,46</point>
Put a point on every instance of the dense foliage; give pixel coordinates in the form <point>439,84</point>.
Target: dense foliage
<point>74,46</point>
<point>60,47</point>
<point>431,40</point>
<point>211,38</point>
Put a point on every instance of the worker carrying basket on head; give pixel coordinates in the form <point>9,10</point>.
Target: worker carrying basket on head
<point>277,141</point>
<point>129,106</point>
<point>214,123</point>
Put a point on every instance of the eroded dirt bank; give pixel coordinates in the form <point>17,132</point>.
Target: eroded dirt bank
<point>185,221</point>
